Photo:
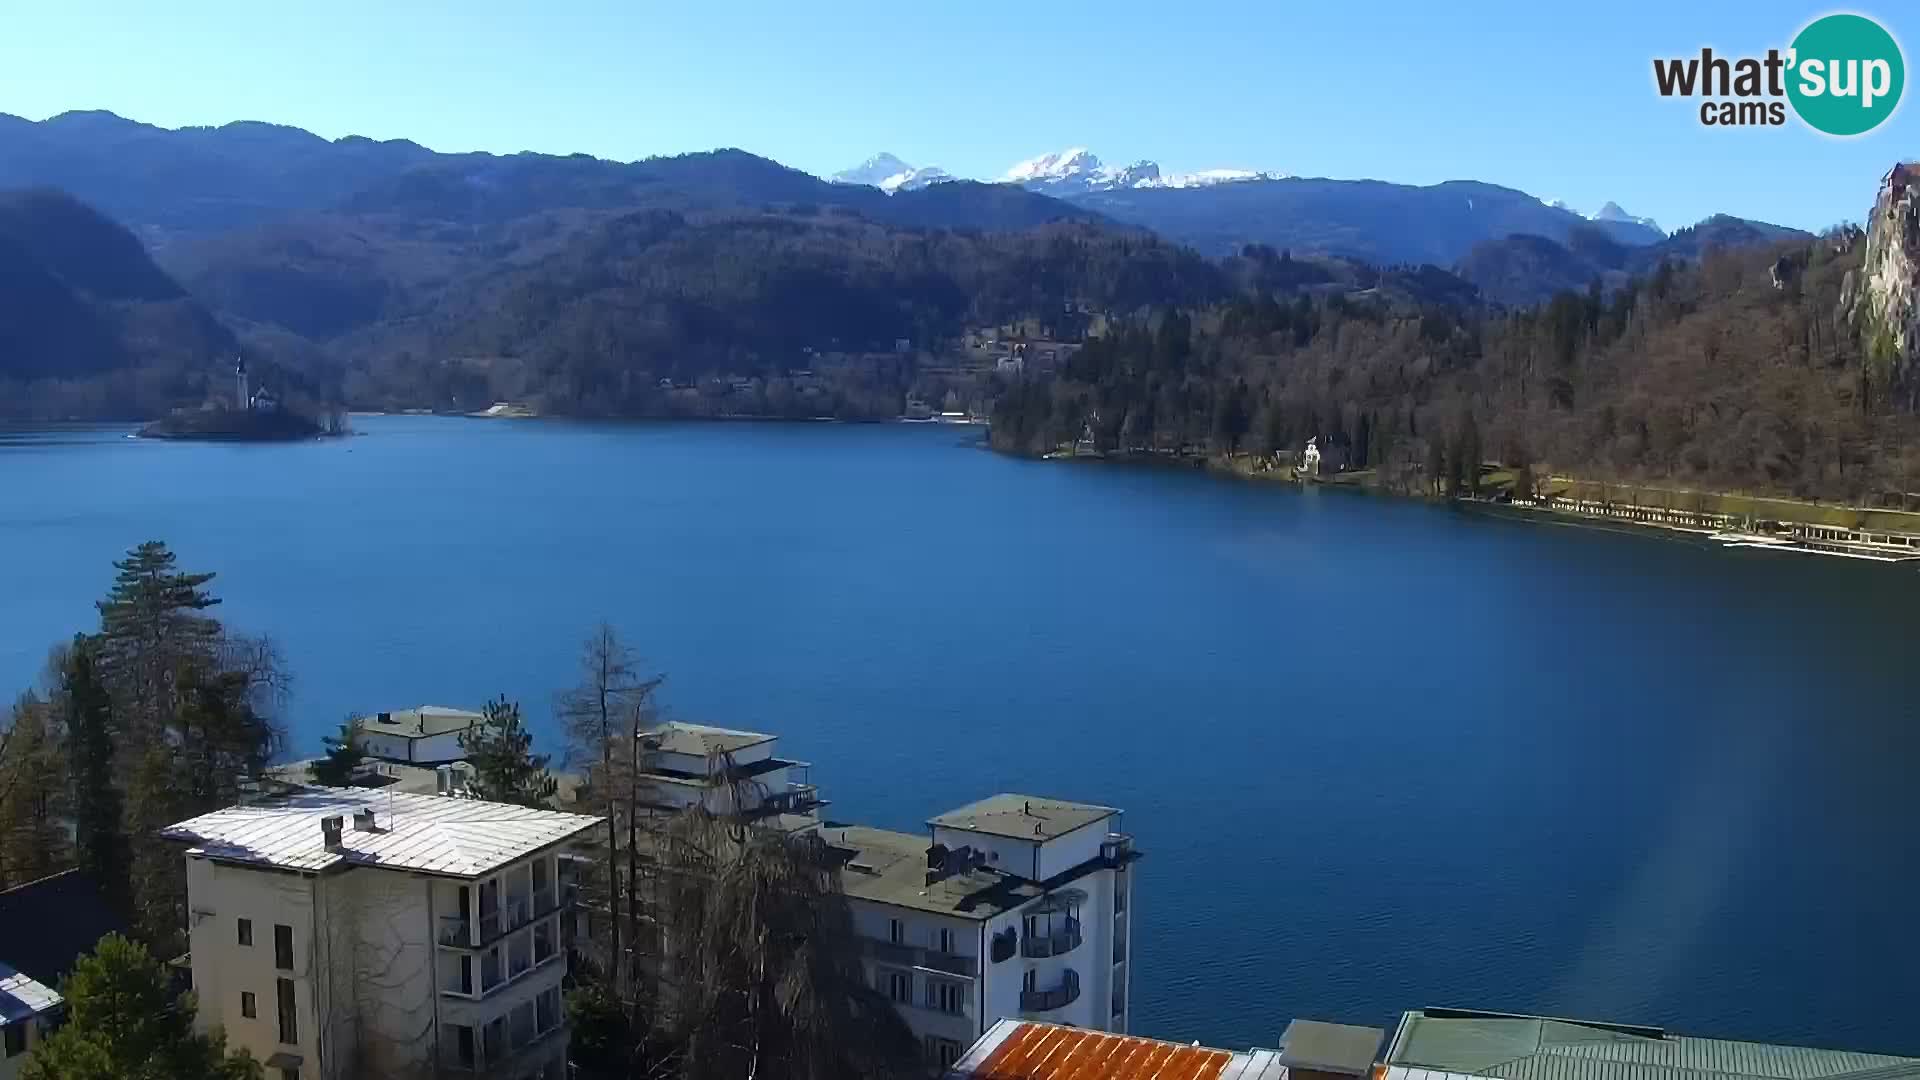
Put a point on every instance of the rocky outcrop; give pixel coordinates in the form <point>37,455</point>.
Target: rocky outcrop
<point>1881,302</point>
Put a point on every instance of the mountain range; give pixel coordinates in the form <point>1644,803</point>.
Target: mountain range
<point>351,259</point>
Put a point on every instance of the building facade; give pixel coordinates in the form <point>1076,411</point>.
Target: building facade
<point>426,735</point>
<point>343,932</point>
<point>1015,906</point>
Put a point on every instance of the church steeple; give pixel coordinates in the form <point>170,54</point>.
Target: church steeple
<point>244,400</point>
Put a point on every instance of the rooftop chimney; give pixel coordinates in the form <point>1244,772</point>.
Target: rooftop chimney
<point>363,821</point>
<point>330,831</point>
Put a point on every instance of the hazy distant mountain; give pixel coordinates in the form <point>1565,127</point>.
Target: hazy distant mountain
<point>1525,269</point>
<point>171,185</point>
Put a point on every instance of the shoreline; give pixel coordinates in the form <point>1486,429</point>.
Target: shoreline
<point>1857,540</point>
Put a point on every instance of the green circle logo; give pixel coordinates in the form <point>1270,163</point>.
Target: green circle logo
<point>1846,74</point>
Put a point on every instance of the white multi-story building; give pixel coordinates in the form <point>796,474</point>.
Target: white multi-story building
<point>341,932</point>
<point>426,735</point>
<point>729,772</point>
<point>1014,906</point>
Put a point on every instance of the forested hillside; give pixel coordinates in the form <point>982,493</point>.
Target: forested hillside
<point>89,326</point>
<point>1705,375</point>
<point>596,326</point>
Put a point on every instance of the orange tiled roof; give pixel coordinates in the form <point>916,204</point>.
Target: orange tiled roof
<point>1047,1052</point>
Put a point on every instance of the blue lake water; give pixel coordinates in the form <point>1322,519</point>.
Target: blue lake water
<point>1380,754</point>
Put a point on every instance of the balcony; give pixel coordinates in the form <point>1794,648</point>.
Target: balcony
<point>888,952</point>
<point>455,931</point>
<point>480,972</point>
<point>1056,941</point>
<point>1119,950</point>
<point>499,1055</point>
<point>1059,997</point>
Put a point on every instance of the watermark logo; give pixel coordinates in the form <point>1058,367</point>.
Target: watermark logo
<point>1842,75</point>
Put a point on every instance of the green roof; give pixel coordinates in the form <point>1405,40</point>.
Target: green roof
<point>1022,817</point>
<point>1516,1047</point>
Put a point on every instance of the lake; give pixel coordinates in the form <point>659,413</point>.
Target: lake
<point>1379,754</point>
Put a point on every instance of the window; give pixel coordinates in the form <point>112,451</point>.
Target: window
<point>1027,981</point>
<point>246,931</point>
<point>291,1072</point>
<point>289,1028</point>
<point>942,1053</point>
<point>247,1006</point>
<point>896,932</point>
<point>945,940</point>
<point>463,1044</point>
<point>283,947</point>
<point>948,997</point>
<point>900,987</point>
<point>16,1038</point>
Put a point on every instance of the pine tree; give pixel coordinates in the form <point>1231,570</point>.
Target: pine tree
<point>342,758</point>
<point>125,1022</point>
<point>32,842</point>
<point>149,622</point>
<point>93,795</point>
<point>501,752</point>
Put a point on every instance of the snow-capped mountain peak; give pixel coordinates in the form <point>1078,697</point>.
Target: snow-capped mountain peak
<point>1613,212</point>
<point>890,174</point>
<point>1061,167</point>
<point>872,171</point>
<point>1073,171</point>
<point>1077,170</point>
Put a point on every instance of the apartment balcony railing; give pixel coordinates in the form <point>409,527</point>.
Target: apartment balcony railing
<point>498,1055</point>
<point>1059,997</point>
<point>915,956</point>
<point>529,950</point>
<point>518,909</point>
<point>1054,942</point>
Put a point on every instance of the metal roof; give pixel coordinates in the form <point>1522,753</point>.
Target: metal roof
<point>1518,1047</point>
<point>700,740</point>
<point>1324,1047</point>
<point>1025,1050</point>
<point>1022,817</point>
<point>67,915</point>
<point>421,721</point>
<point>21,997</point>
<point>434,834</point>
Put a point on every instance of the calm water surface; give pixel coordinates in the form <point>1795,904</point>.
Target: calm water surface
<point>1380,755</point>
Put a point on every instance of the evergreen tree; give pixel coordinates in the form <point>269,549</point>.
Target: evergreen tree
<point>93,788</point>
<point>32,841</point>
<point>341,759</point>
<point>501,752</point>
<point>149,622</point>
<point>124,1022</point>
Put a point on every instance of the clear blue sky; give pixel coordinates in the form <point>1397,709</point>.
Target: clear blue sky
<point>1547,98</point>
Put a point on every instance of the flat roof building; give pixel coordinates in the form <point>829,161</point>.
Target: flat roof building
<point>1013,906</point>
<point>1437,1044</point>
<point>345,932</point>
<point>423,735</point>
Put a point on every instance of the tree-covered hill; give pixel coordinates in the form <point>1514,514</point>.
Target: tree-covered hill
<point>1693,375</point>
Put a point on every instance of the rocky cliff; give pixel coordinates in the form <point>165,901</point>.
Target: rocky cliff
<point>1881,301</point>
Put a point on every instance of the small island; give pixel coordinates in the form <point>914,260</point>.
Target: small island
<point>258,417</point>
<point>234,425</point>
